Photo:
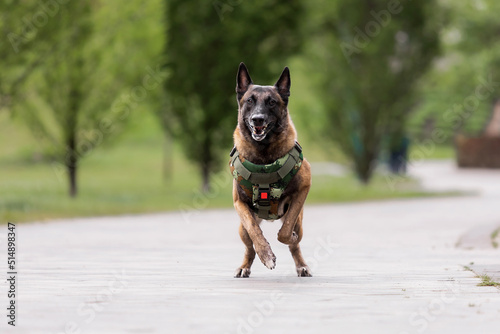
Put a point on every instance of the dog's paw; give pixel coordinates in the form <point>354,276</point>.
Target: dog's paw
<point>242,273</point>
<point>304,271</point>
<point>267,257</point>
<point>271,263</point>
<point>288,239</point>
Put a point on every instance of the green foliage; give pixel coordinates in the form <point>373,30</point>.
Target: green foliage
<point>18,59</point>
<point>93,75</point>
<point>77,71</point>
<point>457,95</point>
<point>373,53</point>
<point>205,43</point>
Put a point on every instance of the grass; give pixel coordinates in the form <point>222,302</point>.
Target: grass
<point>487,281</point>
<point>434,152</point>
<point>494,236</point>
<point>348,189</point>
<point>128,177</point>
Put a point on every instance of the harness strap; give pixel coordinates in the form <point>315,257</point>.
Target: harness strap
<point>263,178</point>
<point>263,206</point>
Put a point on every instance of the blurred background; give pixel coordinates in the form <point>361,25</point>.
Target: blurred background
<point>111,107</point>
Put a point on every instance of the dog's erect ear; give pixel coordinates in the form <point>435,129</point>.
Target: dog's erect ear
<point>243,81</point>
<point>283,84</point>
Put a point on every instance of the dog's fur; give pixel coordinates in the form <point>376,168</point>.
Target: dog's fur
<point>265,133</point>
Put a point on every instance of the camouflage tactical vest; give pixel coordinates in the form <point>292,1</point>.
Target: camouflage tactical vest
<point>266,183</point>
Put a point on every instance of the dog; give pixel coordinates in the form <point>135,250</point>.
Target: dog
<point>271,177</point>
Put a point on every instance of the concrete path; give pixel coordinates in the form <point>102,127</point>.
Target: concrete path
<point>444,175</point>
<point>379,267</point>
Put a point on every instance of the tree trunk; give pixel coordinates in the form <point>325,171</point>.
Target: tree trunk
<point>71,165</point>
<point>365,166</point>
<point>205,173</point>
<point>364,174</point>
<point>72,181</point>
<point>168,161</point>
<point>206,164</point>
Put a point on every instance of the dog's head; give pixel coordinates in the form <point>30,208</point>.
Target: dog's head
<point>262,109</point>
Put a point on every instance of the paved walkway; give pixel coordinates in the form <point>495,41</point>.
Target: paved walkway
<point>379,267</point>
<point>444,175</point>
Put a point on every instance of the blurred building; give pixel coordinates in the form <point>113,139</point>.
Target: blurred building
<point>482,151</point>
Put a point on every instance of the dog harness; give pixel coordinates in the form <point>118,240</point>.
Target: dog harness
<point>265,184</point>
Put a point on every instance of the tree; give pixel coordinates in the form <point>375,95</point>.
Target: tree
<point>89,82</point>
<point>19,60</point>
<point>459,91</point>
<point>205,43</point>
<point>372,53</point>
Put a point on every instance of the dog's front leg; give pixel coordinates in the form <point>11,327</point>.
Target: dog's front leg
<point>251,225</point>
<point>292,239</point>
<point>301,266</point>
<point>290,233</point>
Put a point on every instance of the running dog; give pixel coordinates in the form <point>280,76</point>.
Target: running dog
<point>271,176</point>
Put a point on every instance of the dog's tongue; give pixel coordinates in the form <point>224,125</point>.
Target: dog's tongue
<point>258,129</point>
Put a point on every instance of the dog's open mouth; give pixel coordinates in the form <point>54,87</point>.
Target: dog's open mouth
<point>259,132</point>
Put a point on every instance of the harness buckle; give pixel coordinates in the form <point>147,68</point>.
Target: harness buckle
<point>264,197</point>
<point>232,151</point>
<point>298,147</point>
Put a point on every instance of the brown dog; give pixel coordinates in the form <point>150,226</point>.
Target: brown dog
<point>271,178</point>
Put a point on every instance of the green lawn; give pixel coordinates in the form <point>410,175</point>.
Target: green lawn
<point>434,152</point>
<point>128,177</point>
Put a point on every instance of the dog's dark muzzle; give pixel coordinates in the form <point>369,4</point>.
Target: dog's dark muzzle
<point>259,126</point>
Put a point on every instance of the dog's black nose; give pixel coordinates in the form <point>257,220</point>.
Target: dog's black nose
<point>258,120</point>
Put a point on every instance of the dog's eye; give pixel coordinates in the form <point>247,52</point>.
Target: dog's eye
<point>272,103</point>
<point>249,100</point>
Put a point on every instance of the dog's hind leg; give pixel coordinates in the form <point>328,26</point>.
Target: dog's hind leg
<point>301,266</point>
<point>244,269</point>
